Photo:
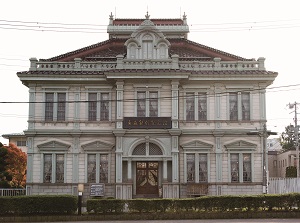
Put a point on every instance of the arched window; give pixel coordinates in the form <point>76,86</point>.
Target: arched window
<point>147,47</point>
<point>145,149</point>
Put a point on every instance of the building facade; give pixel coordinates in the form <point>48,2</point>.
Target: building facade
<point>146,113</point>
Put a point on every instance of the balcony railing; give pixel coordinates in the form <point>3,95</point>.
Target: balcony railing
<point>173,63</point>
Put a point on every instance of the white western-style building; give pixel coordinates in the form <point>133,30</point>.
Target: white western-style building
<point>146,113</point>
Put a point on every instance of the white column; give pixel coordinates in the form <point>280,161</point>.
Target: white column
<point>129,170</point>
<point>120,91</point>
<point>165,170</point>
<point>175,104</point>
<point>119,151</point>
<point>31,115</point>
<point>175,163</point>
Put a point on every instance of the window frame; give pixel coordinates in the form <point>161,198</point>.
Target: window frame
<point>241,166</point>
<point>241,113</point>
<point>99,105</point>
<point>148,100</point>
<point>53,167</point>
<point>197,95</point>
<point>55,105</point>
<point>97,170</point>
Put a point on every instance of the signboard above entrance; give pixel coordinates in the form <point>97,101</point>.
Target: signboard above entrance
<point>147,123</point>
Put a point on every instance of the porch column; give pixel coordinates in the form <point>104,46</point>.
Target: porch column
<point>129,170</point>
<point>165,170</point>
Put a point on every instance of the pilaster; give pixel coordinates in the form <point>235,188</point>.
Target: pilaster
<point>175,104</point>
<point>120,92</point>
<point>31,113</point>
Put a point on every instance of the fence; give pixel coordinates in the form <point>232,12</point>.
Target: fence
<point>284,185</point>
<point>12,192</point>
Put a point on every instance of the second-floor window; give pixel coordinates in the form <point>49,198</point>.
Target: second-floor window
<point>98,106</point>
<point>239,106</point>
<point>55,107</point>
<point>147,104</point>
<point>196,106</point>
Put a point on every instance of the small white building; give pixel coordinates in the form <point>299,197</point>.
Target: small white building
<point>146,113</point>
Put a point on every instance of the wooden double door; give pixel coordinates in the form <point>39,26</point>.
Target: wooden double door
<point>147,178</point>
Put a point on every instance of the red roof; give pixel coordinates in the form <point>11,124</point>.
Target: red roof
<point>109,49</point>
<point>137,22</point>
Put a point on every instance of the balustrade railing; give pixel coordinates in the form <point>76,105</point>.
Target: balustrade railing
<point>122,63</point>
<point>5,192</point>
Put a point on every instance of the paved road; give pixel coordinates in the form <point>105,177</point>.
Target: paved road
<point>200,221</point>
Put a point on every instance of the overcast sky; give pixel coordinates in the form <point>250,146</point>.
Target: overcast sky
<point>250,29</point>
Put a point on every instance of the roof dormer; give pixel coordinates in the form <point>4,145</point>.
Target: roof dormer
<point>147,42</point>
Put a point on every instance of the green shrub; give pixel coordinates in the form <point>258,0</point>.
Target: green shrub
<point>291,171</point>
<point>105,205</point>
<point>38,204</point>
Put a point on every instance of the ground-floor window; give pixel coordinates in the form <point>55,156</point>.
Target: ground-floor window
<point>240,167</point>
<point>197,170</point>
<point>54,168</point>
<point>97,168</point>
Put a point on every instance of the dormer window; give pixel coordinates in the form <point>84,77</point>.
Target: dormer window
<point>147,47</point>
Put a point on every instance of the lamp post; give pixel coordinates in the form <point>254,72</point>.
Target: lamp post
<point>80,192</point>
<point>265,134</point>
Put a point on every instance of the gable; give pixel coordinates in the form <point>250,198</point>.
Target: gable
<point>97,146</point>
<point>240,145</point>
<point>53,146</point>
<point>197,145</point>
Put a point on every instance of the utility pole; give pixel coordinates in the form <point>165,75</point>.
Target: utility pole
<point>264,134</point>
<point>291,106</point>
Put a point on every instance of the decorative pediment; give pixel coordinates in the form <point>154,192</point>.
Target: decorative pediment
<point>97,146</point>
<point>147,42</point>
<point>53,146</point>
<point>240,145</point>
<point>197,144</point>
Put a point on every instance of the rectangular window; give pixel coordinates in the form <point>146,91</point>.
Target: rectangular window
<point>97,168</point>
<point>91,168</point>
<point>47,168</point>
<point>141,104</point>
<point>153,104</point>
<point>92,106</point>
<point>104,107</point>
<point>247,167</point>
<point>196,106</point>
<point>60,167</point>
<point>190,107</point>
<point>233,106</point>
<point>49,106</point>
<point>202,167</point>
<point>103,168</point>
<point>245,106</point>
<point>21,143</point>
<point>55,106</point>
<point>202,107</point>
<point>61,107</point>
<point>234,163</point>
<point>190,162</point>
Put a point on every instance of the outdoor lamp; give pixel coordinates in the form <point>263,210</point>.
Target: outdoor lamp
<point>80,191</point>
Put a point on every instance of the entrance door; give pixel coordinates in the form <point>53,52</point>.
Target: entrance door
<point>147,178</point>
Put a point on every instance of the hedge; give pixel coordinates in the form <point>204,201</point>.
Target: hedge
<point>228,203</point>
<point>38,204</point>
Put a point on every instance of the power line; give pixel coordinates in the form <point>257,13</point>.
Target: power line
<point>159,98</point>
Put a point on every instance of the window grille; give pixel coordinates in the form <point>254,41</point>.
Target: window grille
<point>140,150</point>
<point>154,149</point>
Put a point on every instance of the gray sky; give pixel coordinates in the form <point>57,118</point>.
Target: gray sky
<point>250,29</point>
